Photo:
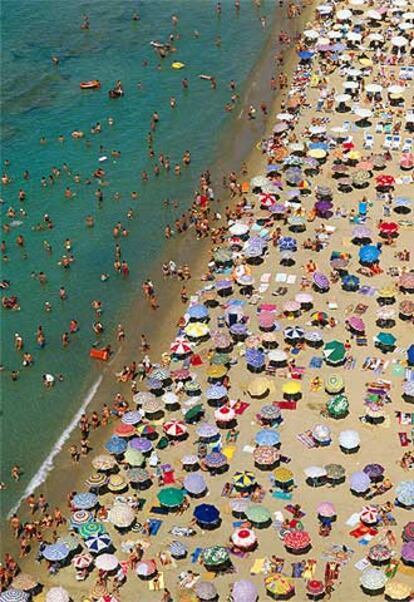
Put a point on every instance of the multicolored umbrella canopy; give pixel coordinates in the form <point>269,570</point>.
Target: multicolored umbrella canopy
<point>91,528</point>
<point>84,501</point>
<point>205,590</point>
<point>244,480</point>
<point>121,515</point>
<point>334,352</point>
<point>215,556</point>
<point>14,595</point>
<point>98,543</point>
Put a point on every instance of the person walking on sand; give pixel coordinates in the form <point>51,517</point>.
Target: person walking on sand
<point>120,333</point>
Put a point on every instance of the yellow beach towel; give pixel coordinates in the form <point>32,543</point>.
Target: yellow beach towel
<point>258,566</point>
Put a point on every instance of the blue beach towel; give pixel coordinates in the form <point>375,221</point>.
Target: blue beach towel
<point>196,555</point>
<point>154,526</point>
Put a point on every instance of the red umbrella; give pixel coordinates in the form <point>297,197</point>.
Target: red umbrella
<point>407,161</point>
<point>175,428</point>
<point>348,145</point>
<point>124,430</point>
<point>315,587</point>
<point>297,540</point>
<point>385,180</point>
<point>389,227</point>
<point>267,200</point>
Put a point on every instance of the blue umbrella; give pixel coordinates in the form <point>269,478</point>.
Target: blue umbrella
<point>350,282</point>
<point>206,514</point>
<point>369,254</point>
<point>305,55</point>
<point>267,437</point>
<point>154,384</point>
<point>410,355</point>
<point>116,445</point>
<point>216,392</point>
<point>14,595</point>
<point>238,329</point>
<point>255,358</point>
<point>194,483</point>
<point>55,552</point>
<point>98,543</point>
<point>84,501</point>
<point>198,312</point>
<point>287,243</point>
<point>321,145</point>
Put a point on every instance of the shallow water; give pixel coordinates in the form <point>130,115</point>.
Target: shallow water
<point>41,99</point>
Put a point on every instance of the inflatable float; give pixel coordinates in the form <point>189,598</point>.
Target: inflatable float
<point>99,354</point>
<point>93,84</point>
<point>178,65</point>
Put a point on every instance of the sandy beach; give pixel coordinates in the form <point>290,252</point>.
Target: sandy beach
<point>316,121</point>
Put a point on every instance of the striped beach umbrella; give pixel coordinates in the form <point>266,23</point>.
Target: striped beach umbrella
<point>55,552</point>
<point>14,595</point>
<point>91,529</point>
<point>98,543</point>
<point>81,517</point>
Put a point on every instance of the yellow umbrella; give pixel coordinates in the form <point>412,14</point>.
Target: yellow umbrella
<point>283,475</point>
<point>216,371</point>
<point>258,387</point>
<point>196,330</point>
<point>279,585</point>
<point>365,62</point>
<point>396,590</point>
<point>292,387</point>
<point>354,155</point>
<point>317,153</point>
<point>387,292</point>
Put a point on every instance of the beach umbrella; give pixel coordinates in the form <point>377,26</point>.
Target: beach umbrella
<point>374,471</point>
<point>260,387</point>
<point>406,281</point>
<point>292,388</point>
<point>244,538</point>
<point>315,588</point>
<point>143,397</point>
<point>334,384</point>
<point>397,591</point>
<point>224,415</point>
<point>115,445</point>
<point>385,339</point>
<point>270,412</point>
<point>84,501</point>
<point>108,598</point>
<point>124,430</point>
<point>91,529</point>
<point>205,590</point>
<point>335,472</point>
<point>215,460</point>
<point>244,479</point>
<point>287,243</point>
<point>338,406</point>
<point>171,497</point>
<point>319,317</point>
<point>359,482</point>
<point>72,541</point>
<point>196,330</point>
<point>266,455</point>
<point>195,484</point>
<point>297,541</point>
<point>369,254</point>
<point>175,428</point>
<point>369,515</point>
<point>267,437</point>
<point>106,562</point>
<point>258,514</point>
<point>215,556</point>
<point>103,462</point>
<point>55,552</point>
<point>198,312</point>
<point>313,337</point>
<point>408,532</point>
<point>141,444</point>
<point>152,406</point>
<point>98,543</point>
<point>121,515</point>
<point>405,493</point>
<point>177,549</point>
<point>57,594</point>
<point>326,509</point>
<point>132,417</point>
<point>356,324</point>
<point>291,307</point>
<point>82,561</point>
<point>207,431</point>
<point>138,475</point>
<point>24,582</point>
<point>146,568</point>
<point>81,517</point>
<point>279,586</point>
<point>349,440</point>
<point>134,457</point>
<point>320,281</point>
<point>244,591</point>
<point>170,399</point>
<point>334,352</point>
<point>294,333</point>
<point>216,392</point>
<point>372,580</point>
<point>255,359</point>
<point>14,595</point>
<point>407,553</point>
<point>315,472</point>
<point>379,554</point>
<point>321,433</point>
<point>283,477</point>
<point>217,371</point>
<point>206,514</point>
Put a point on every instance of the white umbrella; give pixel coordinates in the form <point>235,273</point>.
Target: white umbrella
<point>311,34</point>
<point>375,37</point>
<point>349,439</point>
<point>356,2</point>
<point>399,41</point>
<point>121,515</point>
<point>321,432</point>
<point>395,89</point>
<point>315,472</point>
<point>374,15</point>
<point>352,36</point>
<point>342,98</point>
<point>363,113</point>
<point>106,562</point>
<point>57,594</point>
<point>170,398</point>
<point>408,16</point>
<point>350,85</point>
<point>344,15</point>
<point>373,88</point>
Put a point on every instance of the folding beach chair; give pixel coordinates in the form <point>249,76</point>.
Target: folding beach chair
<point>368,141</point>
<point>387,142</point>
<point>396,142</point>
<point>407,145</point>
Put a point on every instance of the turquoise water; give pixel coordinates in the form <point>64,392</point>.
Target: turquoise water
<point>40,99</point>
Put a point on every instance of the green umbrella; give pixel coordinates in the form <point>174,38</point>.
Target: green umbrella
<point>133,457</point>
<point>194,412</point>
<point>171,497</point>
<point>220,359</point>
<point>223,255</point>
<point>91,529</point>
<point>338,406</point>
<point>386,339</point>
<point>258,514</point>
<point>215,556</point>
<point>334,352</point>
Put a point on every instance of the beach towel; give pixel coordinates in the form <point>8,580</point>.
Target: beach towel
<point>306,439</point>
<point>196,360</point>
<point>290,508</point>
<point>404,440</point>
<point>258,566</point>
<point>265,278</point>
<point>227,490</point>
<point>196,555</point>
<point>228,451</point>
<point>282,495</point>
<point>169,477</point>
<point>248,449</point>
<point>361,341</point>
<point>159,510</point>
<point>286,405</point>
<point>154,526</point>
<point>240,407</point>
<point>315,362</point>
<point>361,309</point>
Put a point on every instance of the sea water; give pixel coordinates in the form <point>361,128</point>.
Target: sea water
<point>41,99</point>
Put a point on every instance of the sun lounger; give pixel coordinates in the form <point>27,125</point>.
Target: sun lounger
<point>387,144</point>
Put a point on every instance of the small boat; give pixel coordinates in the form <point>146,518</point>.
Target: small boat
<point>92,84</point>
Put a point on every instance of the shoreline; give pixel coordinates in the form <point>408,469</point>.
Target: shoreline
<point>186,247</point>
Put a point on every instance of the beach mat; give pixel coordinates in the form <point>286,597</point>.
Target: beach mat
<point>306,439</point>
<point>154,526</point>
<point>196,555</point>
<point>159,510</point>
<point>286,405</point>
